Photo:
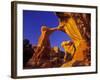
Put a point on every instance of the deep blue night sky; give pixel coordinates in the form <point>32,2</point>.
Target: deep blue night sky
<point>32,22</point>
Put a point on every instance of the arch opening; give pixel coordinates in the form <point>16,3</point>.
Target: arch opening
<point>57,37</point>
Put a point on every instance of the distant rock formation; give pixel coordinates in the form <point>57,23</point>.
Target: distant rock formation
<point>27,51</point>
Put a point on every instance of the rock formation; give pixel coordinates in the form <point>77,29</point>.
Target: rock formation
<point>28,51</point>
<point>41,57</point>
<point>77,51</point>
<point>78,30</point>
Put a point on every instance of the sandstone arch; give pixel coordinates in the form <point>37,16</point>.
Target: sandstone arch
<point>69,27</point>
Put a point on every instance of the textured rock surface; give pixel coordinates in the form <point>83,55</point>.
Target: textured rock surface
<point>77,26</point>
